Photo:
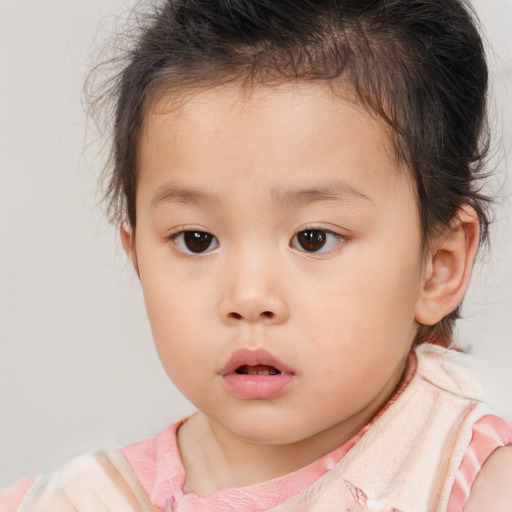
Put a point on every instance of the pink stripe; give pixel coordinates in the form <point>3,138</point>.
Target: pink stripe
<point>11,498</point>
<point>489,433</point>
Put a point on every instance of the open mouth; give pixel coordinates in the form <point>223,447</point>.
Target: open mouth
<point>255,362</point>
<point>256,375</point>
<point>259,369</point>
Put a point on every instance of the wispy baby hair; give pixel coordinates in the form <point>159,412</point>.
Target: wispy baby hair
<point>419,65</point>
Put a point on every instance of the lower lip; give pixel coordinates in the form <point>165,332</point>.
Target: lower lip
<point>257,387</point>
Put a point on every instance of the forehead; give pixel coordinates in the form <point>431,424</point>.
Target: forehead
<point>283,134</point>
<point>302,107</point>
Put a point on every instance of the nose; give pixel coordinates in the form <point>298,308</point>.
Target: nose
<point>253,295</point>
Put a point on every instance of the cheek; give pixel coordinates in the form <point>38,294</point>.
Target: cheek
<point>169,291</point>
<point>178,315</point>
<point>178,345</point>
<point>166,302</point>
<point>365,297</point>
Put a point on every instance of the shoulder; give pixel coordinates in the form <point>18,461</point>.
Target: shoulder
<point>490,440</point>
<point>11,498</point>
<point>449,370</point>
<point>492,489</point>
<point>49,492</point>
<point>88,482</point>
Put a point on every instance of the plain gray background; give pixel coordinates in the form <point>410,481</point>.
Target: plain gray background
<point>77,367</point>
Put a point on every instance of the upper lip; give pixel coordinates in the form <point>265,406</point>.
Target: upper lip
<point>248,357</point>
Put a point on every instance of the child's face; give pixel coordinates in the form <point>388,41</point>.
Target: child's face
<point>277,222</point>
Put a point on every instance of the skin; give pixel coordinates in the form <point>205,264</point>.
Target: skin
<point>491,489</point>
<point>254,170</point>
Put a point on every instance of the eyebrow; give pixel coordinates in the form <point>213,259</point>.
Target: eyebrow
<point>325,191</point>
<point>183,195</point>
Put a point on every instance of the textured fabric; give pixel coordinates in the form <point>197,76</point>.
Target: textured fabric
<point>101,482</point>
<point>421,453</point>
<point>162,475</point>
<point>11,498</point>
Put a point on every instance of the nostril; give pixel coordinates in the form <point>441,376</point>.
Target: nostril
<point>238,316</point>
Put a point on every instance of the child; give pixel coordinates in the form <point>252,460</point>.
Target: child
<point>297,188</point>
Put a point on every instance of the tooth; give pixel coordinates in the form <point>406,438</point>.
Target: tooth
<point>257,370</point>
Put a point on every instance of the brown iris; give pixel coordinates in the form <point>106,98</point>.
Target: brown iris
<point>312,239</point>
<point>197,241</point>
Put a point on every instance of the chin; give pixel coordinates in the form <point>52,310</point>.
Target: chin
<point>265,432</point>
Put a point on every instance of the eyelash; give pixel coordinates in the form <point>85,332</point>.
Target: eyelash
<point>329,238</point>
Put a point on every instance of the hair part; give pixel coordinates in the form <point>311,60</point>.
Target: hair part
<point>417,64</point>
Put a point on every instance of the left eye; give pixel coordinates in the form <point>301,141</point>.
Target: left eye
<point>315,240</point>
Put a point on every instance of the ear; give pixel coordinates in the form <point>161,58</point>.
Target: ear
<point>448,267</point>
<point>128,241</point>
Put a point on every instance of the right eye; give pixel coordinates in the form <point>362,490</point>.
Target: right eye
<point>195,242</point>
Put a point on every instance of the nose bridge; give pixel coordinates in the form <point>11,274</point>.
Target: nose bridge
<point>253,289</point>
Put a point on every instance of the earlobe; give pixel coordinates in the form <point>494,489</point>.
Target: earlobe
<point>447,270</point>
<point>128,242</point>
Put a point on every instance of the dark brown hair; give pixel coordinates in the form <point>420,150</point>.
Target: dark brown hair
<point>417,64</point>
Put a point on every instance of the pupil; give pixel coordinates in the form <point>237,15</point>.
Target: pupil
<point>198,241</point>
<point>312,239</point>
